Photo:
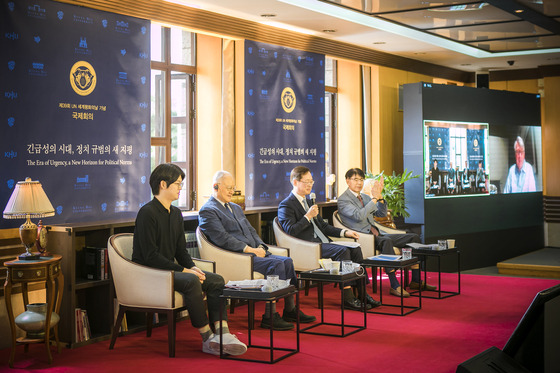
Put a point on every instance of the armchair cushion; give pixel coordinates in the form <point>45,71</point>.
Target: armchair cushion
<point>305,254</point>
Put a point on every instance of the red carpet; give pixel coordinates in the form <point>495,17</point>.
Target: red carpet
<point>437,338</point>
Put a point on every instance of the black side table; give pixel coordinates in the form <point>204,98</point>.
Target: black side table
<point>322,276</point>
<point>397,265</point>
<point>255,295</point>
<point>423,255</point>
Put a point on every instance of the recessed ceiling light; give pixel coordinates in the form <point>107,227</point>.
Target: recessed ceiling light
<point>329,31</point>
<point>379,42</point>
<point>268,15</point>
<point>419,53</point>
<point>465,64</point>
<point>518,10</point>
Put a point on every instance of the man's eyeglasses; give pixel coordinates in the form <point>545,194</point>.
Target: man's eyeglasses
<point>179,184</point>
<point>307,182</point>
<point>357,179</point>
<point>230,188</point>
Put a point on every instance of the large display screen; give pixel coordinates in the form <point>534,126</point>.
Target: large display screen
<point>477,159</point>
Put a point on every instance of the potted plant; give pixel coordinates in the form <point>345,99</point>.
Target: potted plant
<point>393,191</point>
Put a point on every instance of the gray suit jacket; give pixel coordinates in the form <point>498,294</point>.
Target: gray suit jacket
<point>358,217</point>
<point>225,231</point>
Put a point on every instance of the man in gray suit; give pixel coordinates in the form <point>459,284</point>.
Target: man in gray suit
<point>225,225</point>
<point>357,210</point>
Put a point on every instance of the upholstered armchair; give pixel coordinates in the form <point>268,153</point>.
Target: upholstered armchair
<point>232,266</point>
<point>144,289</point>
<point>304,254</point>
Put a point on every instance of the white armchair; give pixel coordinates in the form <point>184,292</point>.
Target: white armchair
<point>232,266</point>
<point>144,289</point>
<point>304,254</point>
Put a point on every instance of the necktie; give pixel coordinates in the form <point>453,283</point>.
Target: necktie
<point>316,229</point>
<point>244,229</point>
<point>372,229</point>
<point>360,199</point>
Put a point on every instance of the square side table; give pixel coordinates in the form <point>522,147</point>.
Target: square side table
<point>397,265</point>
<point>255,295</point>
<point>322,277</point>
<point>423,255</point>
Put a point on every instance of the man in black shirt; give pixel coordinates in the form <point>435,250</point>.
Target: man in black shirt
<point>159,240</point>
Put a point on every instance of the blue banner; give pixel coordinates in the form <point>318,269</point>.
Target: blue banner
<point>75,108</point>
<point>438,138</point>
<point>284,121</point>
<point>475,147</point>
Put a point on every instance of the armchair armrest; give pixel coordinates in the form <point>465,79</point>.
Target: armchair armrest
<point>280,251</point>
<point>205,265</point>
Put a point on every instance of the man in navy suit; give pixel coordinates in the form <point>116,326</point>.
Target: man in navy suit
<point>226,226</point>
<point>357,210</point>
<point>300,218</point>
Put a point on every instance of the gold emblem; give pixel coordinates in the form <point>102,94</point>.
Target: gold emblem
<point>83,78</point>
<point>439,141</point>
<point>475,143</point>
<point>288,99</point>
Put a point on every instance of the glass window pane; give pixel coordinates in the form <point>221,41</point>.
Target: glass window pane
<point>330,72</point>
<point>158,156</point>
<point>158,104</point>
<point>182,47</point>
<point>156,47</point>
<point>180,92</point>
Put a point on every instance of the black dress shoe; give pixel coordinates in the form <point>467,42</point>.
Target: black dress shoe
<point>277,322</point>
<point>372,302</point>
<point>291,316</point>
<point>355,304</point>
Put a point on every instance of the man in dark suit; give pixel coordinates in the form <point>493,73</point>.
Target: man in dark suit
<point>225,225</point>
<point>300,218</point>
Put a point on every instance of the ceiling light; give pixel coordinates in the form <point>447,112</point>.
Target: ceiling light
<point>379,42</point>
<point>268,15</point>
<point>329,31</point>
<point>518,10</point>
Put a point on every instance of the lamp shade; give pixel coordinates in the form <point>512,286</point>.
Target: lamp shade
<point>28,199</point>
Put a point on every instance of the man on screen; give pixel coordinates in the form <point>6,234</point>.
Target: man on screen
<point>520,177</point>
<point>225,224</point>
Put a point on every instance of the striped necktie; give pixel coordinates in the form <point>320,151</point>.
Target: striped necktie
<point>316,229</point>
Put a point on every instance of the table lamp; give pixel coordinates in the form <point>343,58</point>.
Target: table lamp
<point>27,201</point>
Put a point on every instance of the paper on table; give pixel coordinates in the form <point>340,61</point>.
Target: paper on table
<point>385,257</point>
<point>347,243</point>
<point>415,245</point>
<point>246,284</point>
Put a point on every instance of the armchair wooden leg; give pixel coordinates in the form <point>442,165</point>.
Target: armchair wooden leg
<point>171,322</point>
<point>117,326</point>
<point>149,322</point>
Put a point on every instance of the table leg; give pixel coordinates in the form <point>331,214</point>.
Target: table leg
<point>50,306</point>
<point>8,300</point>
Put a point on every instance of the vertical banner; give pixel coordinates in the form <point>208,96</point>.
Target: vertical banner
<point>438,138</point>
<point>284,121</point>
<point>75,108</point>
<point>475,147</point>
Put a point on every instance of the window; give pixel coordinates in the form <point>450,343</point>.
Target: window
<point>330,124</point>
<point>172,104</point>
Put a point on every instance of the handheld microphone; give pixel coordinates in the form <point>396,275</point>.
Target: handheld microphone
<point>312,198</point>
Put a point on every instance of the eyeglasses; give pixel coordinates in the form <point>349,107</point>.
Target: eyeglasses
<point>357,179</point>
<point>179,184</point>
<point>307,182</point>
<point>229,188</point>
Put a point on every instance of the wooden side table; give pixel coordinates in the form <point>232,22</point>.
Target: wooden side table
<point>23,272</point>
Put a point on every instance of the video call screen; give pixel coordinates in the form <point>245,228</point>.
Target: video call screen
<point>466,159</point>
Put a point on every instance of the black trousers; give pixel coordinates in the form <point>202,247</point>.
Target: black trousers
<point>340,252</point>
<point>385,242</point>
<point>189,285</point>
